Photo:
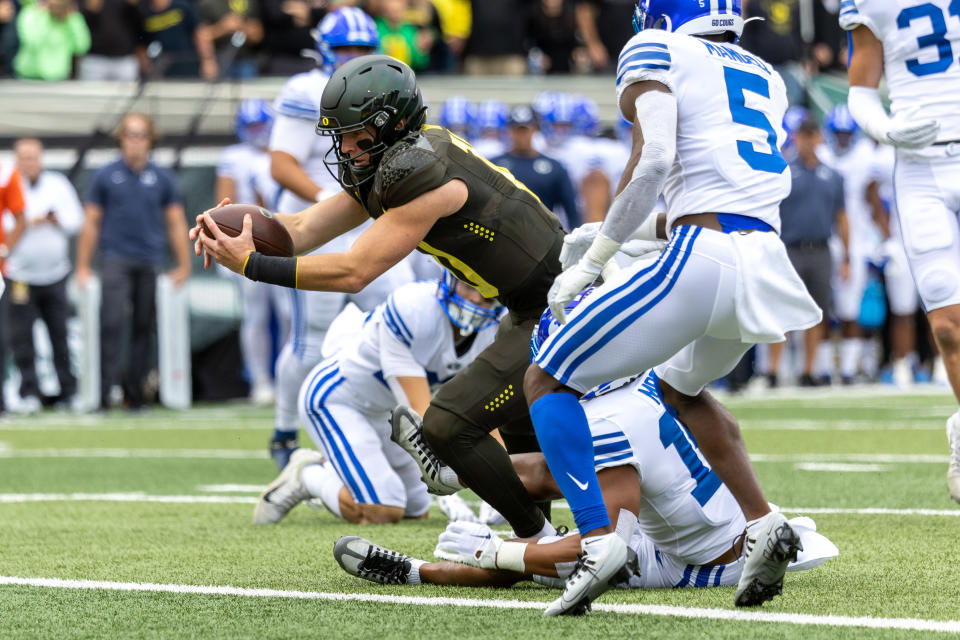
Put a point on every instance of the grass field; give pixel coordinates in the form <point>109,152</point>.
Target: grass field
<point>108,525</point>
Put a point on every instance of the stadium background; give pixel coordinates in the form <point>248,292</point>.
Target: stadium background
<point>557,45</point>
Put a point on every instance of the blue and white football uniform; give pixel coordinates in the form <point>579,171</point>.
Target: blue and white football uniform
<point>697,308</point>
<point>297,109</point>
<point>921,46</point>
<point>687,517</point>
<point>855,168</point>
<point>249,168</point>
<point>346,401</point>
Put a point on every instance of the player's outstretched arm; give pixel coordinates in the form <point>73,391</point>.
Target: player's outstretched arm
<point>388,240</point>
<point>322,222</point>
<point>653,108</point>
<point>863,100</point>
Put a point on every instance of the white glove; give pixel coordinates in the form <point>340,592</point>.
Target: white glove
<point>581,275</point>
<point>638,248</point>
<point>469,543</point>
<point>576,243</point>
<point>455,509</point>
<point>908,133</point>
<point>568,284</point>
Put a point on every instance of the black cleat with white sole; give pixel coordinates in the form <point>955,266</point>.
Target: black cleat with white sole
<point>364,559</point>
<point>771,544</point>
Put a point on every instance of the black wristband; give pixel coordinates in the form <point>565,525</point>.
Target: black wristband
<point>271,269</point>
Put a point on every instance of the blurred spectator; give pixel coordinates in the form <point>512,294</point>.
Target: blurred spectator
<point>605,26</point>
<point>553,29</point>
<point>543,175</point>
<point>38,268</point>
<point>425,17</point>
<point>830,47</point>
<point>177,41</point>
<point>455,17</point>
<point>51,33</point>
<point>134,213</point>
<point>117,40</point>
<point>287,26</point>
<point>402,39</point>
<point>11,203</point>
<point>497,37</point>
<point>235,28</point>
<point>776,38</point>
<point>8,36</point>
<point>808,216</point>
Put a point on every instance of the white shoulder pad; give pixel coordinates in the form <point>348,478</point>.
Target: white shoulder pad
<point>300,96</point>
<point>647,56</point>
<point>854,13</point>
<point>411,312</point>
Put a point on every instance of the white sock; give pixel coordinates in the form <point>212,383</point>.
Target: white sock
<point>414,576</point>
<point>547,530</point>
<point>823,361</point>
<point>449,477</point>
<point>850,349</point>
<point>322,481</point>
<point>870,359</point>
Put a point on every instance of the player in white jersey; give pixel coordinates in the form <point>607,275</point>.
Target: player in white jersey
<point>852,157</point>
<point>243,175</point>
<point>710,115</point>
<point>420,337</point>
<point>898,283</point>
<point>297,155</point>
<point>687,529</point>
<point>916,45</point>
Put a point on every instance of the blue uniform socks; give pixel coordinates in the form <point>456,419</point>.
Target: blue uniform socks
<point>564,435</point>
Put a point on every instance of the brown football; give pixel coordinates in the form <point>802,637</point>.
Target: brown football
<point>270,237</point>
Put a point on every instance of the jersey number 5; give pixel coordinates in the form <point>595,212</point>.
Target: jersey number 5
<point>737,82</point>
<point>935,39</point>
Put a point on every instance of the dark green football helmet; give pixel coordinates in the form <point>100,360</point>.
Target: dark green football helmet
<point>375,93</point>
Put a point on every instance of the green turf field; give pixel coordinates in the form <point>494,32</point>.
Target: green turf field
<point>165,498</point>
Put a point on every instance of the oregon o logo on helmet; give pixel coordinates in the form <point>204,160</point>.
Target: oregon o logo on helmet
<point>326,121</point>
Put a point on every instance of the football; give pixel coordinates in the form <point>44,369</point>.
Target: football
<point>270,237</point>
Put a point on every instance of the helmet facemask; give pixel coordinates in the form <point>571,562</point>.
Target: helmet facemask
<point>372,95</point>
<point>467,316</point>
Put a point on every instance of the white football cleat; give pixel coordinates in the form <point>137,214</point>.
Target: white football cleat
<point>364,559</point>
<point>601,566</point>
<point>288,490</point>
<point>771,543</point>
<point>456,509</point>
<point>953,471</point>
<point>407,431</point>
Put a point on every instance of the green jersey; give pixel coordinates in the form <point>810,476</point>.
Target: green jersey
<point>503,241</point>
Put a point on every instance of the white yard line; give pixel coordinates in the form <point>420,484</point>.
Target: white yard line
<point>226,454</point>
<point>134,496</point>
<point>880,458</point>
<point>911,624</point>
<point>841,467</point>
<point>7,451</point>
<point>139,496</point>
<point>841,425</point>
<point>230,488</point>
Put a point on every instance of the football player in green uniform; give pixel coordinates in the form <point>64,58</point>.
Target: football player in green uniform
<point>427,190</point>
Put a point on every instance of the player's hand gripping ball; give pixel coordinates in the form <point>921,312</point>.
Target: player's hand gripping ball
<point>229,233</point>
<point>270,237</point>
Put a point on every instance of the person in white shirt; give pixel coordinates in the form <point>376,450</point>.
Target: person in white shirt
<point>38,269</point>
<point>420,337</point>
